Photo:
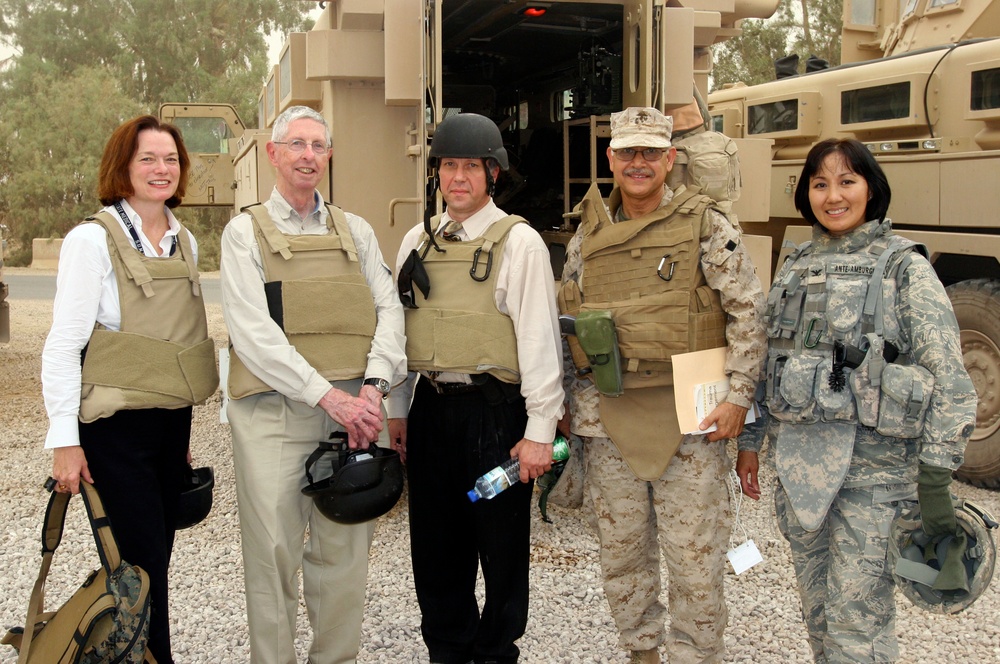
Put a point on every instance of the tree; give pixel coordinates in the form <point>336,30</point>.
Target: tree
<point>750,57</point>
<point>87,65</point>
<point>803,27</point>
<point>53,128</point>
<point>159,50</point>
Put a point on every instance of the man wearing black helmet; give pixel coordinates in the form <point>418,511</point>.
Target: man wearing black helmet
<point>482,332</point>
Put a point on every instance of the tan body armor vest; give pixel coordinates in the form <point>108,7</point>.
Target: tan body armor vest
<point>646,272</point>
<point>162,357</point>
<point>458,327</point>
<point>318,295</point>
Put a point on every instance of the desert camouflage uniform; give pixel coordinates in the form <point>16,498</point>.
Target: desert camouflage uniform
<point>685,513</point>
<point>845,586</point>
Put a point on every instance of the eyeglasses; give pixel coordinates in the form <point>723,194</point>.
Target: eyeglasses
<point>649,154</point>
<point>300,146</point>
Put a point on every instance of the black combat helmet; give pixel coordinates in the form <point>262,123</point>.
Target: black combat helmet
<point>362,484</point>
<point>468,136</point>
<point>195,501</point>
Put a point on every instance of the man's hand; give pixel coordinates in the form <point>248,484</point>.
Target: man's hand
<point>361,419</point>
<point>746,468</point>
<point>564,423</point>
<point>370,394</point>
<point>69,466</point>
<point>728,418</point>
<point>397,436</point>
<point>536,458</point>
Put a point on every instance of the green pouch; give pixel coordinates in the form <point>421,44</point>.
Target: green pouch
<point>595,330</point>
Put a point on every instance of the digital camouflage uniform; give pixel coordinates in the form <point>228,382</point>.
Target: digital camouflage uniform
<point>838,527</point>
<point>685,513</point>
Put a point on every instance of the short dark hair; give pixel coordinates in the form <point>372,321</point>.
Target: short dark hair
<point>859,160</point>
<point>113,182</point>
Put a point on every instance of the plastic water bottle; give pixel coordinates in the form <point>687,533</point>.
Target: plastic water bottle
<point>509,473</point>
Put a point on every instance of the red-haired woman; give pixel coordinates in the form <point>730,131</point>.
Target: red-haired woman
<point>129,354</point>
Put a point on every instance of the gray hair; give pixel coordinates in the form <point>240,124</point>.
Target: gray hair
<point>280,130</point>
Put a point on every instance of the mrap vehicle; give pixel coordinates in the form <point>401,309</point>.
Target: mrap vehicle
<point>920,86</point>
<point>385,73</point>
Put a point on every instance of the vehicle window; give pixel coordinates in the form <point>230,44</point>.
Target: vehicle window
<point>863,12</point>
<point>880,102</point>
<point>985,89</point>
<point>204,135</point>
<point>776,116</point>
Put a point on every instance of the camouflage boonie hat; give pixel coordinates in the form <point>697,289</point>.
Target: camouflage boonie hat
<point>640,127</point>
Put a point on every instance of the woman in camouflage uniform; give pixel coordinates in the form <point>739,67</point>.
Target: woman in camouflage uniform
<point>869,406</point>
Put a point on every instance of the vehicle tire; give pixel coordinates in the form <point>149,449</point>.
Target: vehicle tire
<point>977,308</point>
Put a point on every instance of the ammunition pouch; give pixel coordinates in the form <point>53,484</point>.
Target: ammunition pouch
<point>570,299</point>
<point>906,394</point>
<point>595,332</point>
<point>799,391</point>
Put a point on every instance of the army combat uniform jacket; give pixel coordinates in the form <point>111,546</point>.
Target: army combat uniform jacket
<point>828,438</point>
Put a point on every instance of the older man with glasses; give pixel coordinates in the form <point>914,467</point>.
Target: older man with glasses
<point>671,272</point>
<point>316,335</point>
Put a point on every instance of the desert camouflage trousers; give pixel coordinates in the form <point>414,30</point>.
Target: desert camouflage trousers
<point>685,515</point>
<point>845,584</point>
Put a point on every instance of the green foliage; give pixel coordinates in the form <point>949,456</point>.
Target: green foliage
<point>54,127</point>
<point>805,27</point>
<point>87,65</point>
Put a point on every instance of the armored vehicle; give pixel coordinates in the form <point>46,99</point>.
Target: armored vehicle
<point>920,86</point>
<point>386,72</point>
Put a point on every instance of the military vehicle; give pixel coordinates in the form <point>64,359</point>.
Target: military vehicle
<point>920,86</point>
<point>385,72</point>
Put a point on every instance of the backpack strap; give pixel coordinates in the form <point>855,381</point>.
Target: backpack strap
<point>52,530</point>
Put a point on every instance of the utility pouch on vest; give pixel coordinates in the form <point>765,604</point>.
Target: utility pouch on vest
<point>595,330</point>
<point>866,381</point>
<point>790,385</point>
<point>906,393</point>
<point>569,299</point>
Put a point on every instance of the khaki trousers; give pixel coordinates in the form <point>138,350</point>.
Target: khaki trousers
<point>272,437</point>
<point>684,515</point>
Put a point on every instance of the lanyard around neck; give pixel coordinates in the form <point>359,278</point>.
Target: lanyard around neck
<point>135,236</point>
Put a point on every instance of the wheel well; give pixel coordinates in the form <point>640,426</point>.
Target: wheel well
<point>952,268</point>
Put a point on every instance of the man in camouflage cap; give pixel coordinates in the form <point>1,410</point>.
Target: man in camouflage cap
<point>675,277</point>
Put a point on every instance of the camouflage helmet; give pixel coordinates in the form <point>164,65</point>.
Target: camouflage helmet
<point>363,484</point>
<point>468,136</point>
<point>916,578</point>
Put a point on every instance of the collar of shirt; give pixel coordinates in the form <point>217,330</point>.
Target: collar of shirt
<point>288,220</point>
<point>476,224</point>
<point>617,211</point>
<point>173,226</point>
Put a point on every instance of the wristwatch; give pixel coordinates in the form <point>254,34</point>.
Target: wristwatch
<point>380,384</point>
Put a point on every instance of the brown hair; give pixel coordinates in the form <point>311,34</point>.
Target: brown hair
<point>113,182</point>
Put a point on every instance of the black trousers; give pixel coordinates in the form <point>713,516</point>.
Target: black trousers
<point>137,459</point>
<point>451,441</point>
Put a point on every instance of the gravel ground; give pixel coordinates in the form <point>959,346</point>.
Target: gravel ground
<point>569,619</point>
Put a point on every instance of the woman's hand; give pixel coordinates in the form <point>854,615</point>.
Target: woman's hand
<point>69,466</point>
<point>747,466</point>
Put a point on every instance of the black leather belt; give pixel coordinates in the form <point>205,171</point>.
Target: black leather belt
<point>453,388</point>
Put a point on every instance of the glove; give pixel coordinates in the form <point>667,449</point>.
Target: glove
<point>937,516</point>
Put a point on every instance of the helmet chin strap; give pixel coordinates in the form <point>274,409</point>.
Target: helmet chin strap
<point>491,184</point>
<point>432,188</point>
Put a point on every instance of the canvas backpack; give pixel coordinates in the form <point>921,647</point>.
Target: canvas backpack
<point>710,161</point>
<point>107,618</point>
